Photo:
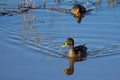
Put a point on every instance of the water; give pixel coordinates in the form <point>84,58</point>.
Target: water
<point>29,43</point>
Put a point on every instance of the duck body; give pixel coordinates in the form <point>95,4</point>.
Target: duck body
<point>81,50</point>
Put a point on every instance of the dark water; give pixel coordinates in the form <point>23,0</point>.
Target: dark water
<point>29,43</point>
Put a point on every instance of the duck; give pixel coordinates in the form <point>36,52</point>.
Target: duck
<point>79,51</point>
<point>75,54</point>
<point>78,11</point>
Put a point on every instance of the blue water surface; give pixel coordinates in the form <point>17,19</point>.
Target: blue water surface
<point>29,42</point>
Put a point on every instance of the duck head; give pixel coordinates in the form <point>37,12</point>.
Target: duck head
<point>78,8</point>
<point>69,42</point>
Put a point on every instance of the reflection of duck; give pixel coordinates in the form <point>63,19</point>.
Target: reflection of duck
<point>69,70</point>
<point>77,53</point>
<point>78,11</point>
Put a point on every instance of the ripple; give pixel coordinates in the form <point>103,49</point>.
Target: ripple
<point>47,37</point>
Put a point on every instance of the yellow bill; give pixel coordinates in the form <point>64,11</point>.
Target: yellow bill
<point>64,45</point>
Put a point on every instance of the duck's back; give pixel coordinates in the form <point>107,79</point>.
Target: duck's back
<point>82,50</point>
